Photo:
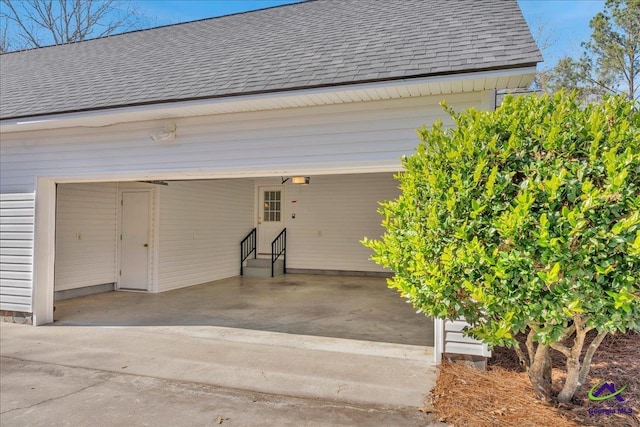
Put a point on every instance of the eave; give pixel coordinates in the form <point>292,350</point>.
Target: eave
<point>394,89</point>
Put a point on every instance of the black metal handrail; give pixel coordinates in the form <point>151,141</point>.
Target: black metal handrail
<point>248,245</point>
<point>279,247</point>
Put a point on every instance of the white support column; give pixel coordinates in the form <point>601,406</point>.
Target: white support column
<point>44,252</point>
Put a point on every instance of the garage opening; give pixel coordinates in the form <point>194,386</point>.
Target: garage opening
<point>168,253</point>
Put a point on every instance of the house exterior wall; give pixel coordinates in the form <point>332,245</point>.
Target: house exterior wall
<point>342,138</point>
<point>16,251</point>
<point>87,232</point>
<point>201,226</point>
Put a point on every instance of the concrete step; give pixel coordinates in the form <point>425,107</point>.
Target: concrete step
<point>260,262</point>
<point>359,372</point>
<point>259,267</point>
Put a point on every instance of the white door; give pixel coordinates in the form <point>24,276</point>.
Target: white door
<point>270,216</point>
<point>134,240</point>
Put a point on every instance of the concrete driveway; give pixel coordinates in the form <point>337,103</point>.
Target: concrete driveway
<point>41,394</point>
<point>87,375</point>
<point>125,346</point>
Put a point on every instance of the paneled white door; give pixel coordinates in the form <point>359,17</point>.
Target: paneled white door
<point>270,216</point>
<point>134,240</point>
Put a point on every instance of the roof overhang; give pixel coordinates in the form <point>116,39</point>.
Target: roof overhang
<point>512,78</point>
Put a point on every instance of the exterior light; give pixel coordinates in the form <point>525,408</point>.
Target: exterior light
<point>303,180</point>
<point>299,180</point>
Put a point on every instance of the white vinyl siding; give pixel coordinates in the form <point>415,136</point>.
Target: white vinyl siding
<point>333,214</point>
<point>342,138</point>
<point>16,250</point>
<point>450,339</point>
<point>201,226</point>
<point>85,235</point>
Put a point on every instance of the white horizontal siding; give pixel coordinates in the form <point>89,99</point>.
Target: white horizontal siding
<point>201,226</point>
<point>450,339</point>
<point>86,221</point>
<point>337,137</point>
<point>333,214</point>
<point>16,251</point>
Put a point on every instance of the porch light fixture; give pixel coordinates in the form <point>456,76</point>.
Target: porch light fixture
<point>299,180</point>
<point>302,180</point>
<point>168,133</point>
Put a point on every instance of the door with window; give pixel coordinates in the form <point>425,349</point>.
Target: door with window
<point>270,216</point>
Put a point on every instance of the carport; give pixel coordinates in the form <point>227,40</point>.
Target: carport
<point>164,234</point>
<point>172,250</point>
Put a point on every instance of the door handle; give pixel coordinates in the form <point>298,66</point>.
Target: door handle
<point>146,245</point>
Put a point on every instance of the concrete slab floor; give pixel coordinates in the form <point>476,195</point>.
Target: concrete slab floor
<point>351,307</point>
<point>46,394</point>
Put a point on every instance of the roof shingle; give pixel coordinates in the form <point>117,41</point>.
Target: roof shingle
<point>308,44</point>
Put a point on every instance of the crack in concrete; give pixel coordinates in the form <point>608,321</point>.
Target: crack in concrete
<point>54,398</point>
<point>40,362</point>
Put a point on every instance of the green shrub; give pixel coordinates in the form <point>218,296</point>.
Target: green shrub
<point>524,219</point>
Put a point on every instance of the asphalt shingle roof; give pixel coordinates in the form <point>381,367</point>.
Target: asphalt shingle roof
<point>310,44</point>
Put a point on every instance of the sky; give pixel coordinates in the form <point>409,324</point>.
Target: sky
<point>559,26</point>
<point>564,23</point>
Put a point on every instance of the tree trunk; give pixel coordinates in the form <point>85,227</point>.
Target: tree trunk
<point>540,372</point>
<point>577,374</point>
<point>572,382</point>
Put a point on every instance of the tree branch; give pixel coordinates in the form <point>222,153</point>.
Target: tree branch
<point>561,348</point>
<point>15,17</point>
<point>586,363</point>
<point>602,85</point>
<point>570,330</point>
<point>524,363</point>
<point>529,343</point>
<point>35,23</point>
<point>577,322</point>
